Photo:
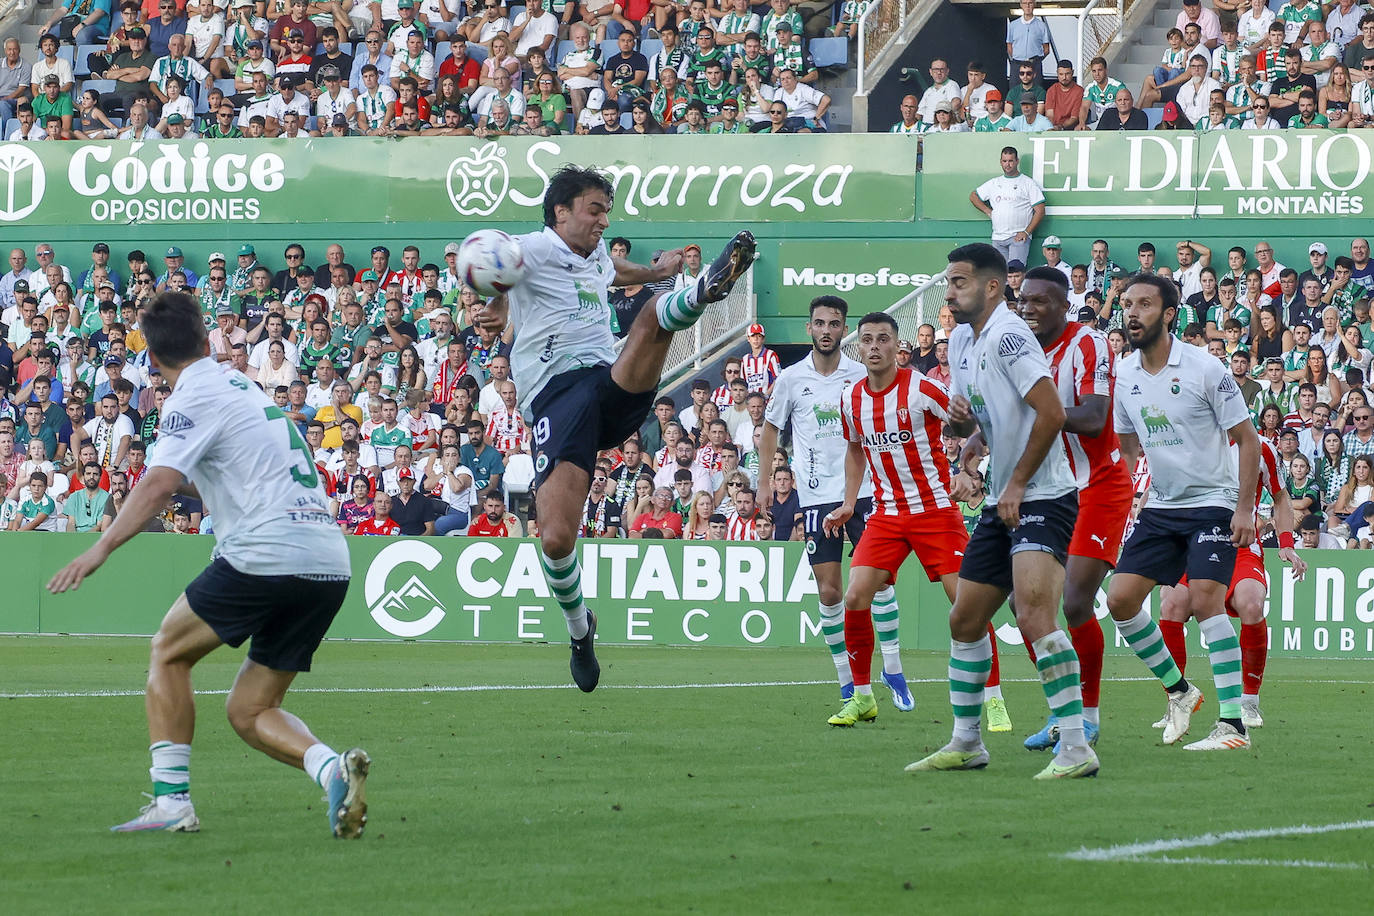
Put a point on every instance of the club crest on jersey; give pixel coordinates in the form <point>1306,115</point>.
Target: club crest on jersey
<point>902,414</point>
<point>1174,387</point>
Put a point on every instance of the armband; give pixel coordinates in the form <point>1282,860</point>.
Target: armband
<point>1286,540</point>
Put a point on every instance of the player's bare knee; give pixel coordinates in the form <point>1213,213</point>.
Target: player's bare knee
<point>243,717</point>
<point>828,594</point>
<point>556,538</point>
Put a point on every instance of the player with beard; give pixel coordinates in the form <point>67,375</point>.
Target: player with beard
<point>581,394</point>
<point>1178,405</point>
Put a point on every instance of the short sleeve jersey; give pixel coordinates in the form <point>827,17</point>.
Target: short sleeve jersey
<point>1294,18</point>
<point>810,402</point>
<point>995,371</point>
<point>1181,416</point>
<point>249,462</point>
<point>1012,201</point>
<point>1082,364</point>
<point>562,310</point>
<point>899,430</point>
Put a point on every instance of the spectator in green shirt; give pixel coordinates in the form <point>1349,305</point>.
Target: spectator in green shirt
<point>54,103</point>
<point>85,509</point>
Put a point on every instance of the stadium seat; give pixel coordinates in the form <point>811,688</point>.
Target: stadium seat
<point>609,49</point>
<point>477,52</point>
<point>650,46</point>
<point>312,123</point>
<point>626,120</point>
<point>67,53</point>
<point>79,68</point>
<point>513,11</point>
<point>830,52</point>
<point>11,125</point>
<point>104,87</point>
<point>1153,116</point>
<point>226,85</point>
<point>563,48</point>
<point>441,55</point>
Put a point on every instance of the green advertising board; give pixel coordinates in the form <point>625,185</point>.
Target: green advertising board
<point>645,593</point>
<point>701,179</point>
<point>1161,174</point>
<point>869,275</point>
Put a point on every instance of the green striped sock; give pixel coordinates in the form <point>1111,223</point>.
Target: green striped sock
<point>1142,634</point>
<point>171,769</point>
<point>970,663</point>
<point>678,311</point>
<point>885,614</point>
<point>1223,648</point>
<point>564,576</point>
<point>1059,677</point>
<point>832,629</point>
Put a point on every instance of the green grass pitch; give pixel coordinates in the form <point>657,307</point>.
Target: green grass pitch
<point>734,798</point>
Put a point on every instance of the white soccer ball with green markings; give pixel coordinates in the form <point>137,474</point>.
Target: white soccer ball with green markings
<point>491,262</point>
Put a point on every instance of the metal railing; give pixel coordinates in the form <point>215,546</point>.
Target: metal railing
<point>1099,24</point>
<point>920,306</point>
<point>879,25</point>
<point>722,323</point>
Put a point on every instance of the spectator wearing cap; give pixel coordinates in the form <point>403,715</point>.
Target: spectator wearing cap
<point>298,58</point>
<point>790,55</point>
<point>175,259</point>
<point>130,69</point>
<point>53,103</point>
<point>944,121</point>
<point>997,118</point>
<point>1064,100</point>
<point>338,126</point>
<point>1316,255</point>
<point>334,98</point>
<point>761,367</point>
<point>1053,248</point>
<point>1014,203</point>
<point>910,121</point>
<point>691,266</point>
<point>1029,121</point>
<point>728,121</point>
<point>177,129</point>
<point>100,258</point>
<point>288,99</point>
<point>253,63</point>
<point>904,350</point>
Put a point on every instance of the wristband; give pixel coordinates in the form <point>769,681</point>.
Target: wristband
<point>1285,540</point>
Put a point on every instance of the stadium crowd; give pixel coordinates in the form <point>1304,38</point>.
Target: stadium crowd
<point>1241,65</point>
<point>182,69</point>
<point>410,412</point>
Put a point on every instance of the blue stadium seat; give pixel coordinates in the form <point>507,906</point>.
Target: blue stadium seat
<point>11,125</point>
<point>1153,116</point>
<point>226,85</point>
<point>609,49</point>
<point>626,120</point>
<point>443,54</point>
<point>104,87</point>
<point>79,68</point>
<point>67,53</point>
<point>515,10</point>
<point>563,48</point>
<point>477,52</point>
<point>311,123</point>
<point>649,47</point>
<point>830,52</point>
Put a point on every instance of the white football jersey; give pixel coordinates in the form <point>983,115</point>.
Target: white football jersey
<point>254,471</point>
<point>811,403</point>
<point>560,311</point>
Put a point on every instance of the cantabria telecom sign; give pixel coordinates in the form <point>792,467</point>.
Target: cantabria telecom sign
<point>1166,175</point>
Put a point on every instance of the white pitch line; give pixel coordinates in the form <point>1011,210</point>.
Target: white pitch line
<point>1142,852</point>
<point>1265,863</point>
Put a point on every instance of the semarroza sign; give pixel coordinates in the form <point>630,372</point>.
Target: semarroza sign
<point>1165,174</point>
<point>701,179</point>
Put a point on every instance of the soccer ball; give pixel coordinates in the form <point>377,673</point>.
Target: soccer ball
<point>491,262</point>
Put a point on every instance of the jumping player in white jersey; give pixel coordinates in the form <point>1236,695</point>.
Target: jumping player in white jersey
<point>892,419</point>
<point>1005,389</point>
<point>1178,404</point>
<point>223,439</point>
<point>579,395</point>
<point>806,396</point>
<point>1244,597</point>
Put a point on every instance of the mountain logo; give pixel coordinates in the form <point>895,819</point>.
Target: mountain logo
<point>477,183</point>
<point>411,608</point>
<point>24,182</point>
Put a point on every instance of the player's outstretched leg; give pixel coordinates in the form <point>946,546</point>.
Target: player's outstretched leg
<point>885,622</point>
<point>999,719</point>
<point>678,311</point>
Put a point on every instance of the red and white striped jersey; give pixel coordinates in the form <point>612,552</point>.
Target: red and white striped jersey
<point>760,372</point>
<point>1270,480</point>
<point>506,429</point>
<point>899,429</point>
<point>1083,365</point>
<point>721,396</point>
<point>740,529</point>
<point>708,457</point>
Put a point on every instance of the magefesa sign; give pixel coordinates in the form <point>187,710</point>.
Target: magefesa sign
<point>1167,174</point>
<point>869,275</point>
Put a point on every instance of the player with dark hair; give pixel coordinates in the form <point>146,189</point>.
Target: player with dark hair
<point>1178,405</point>
<point>1005,389</point>
<point>892,420</point>
<point>582,396</point>
<point>224,441</point>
